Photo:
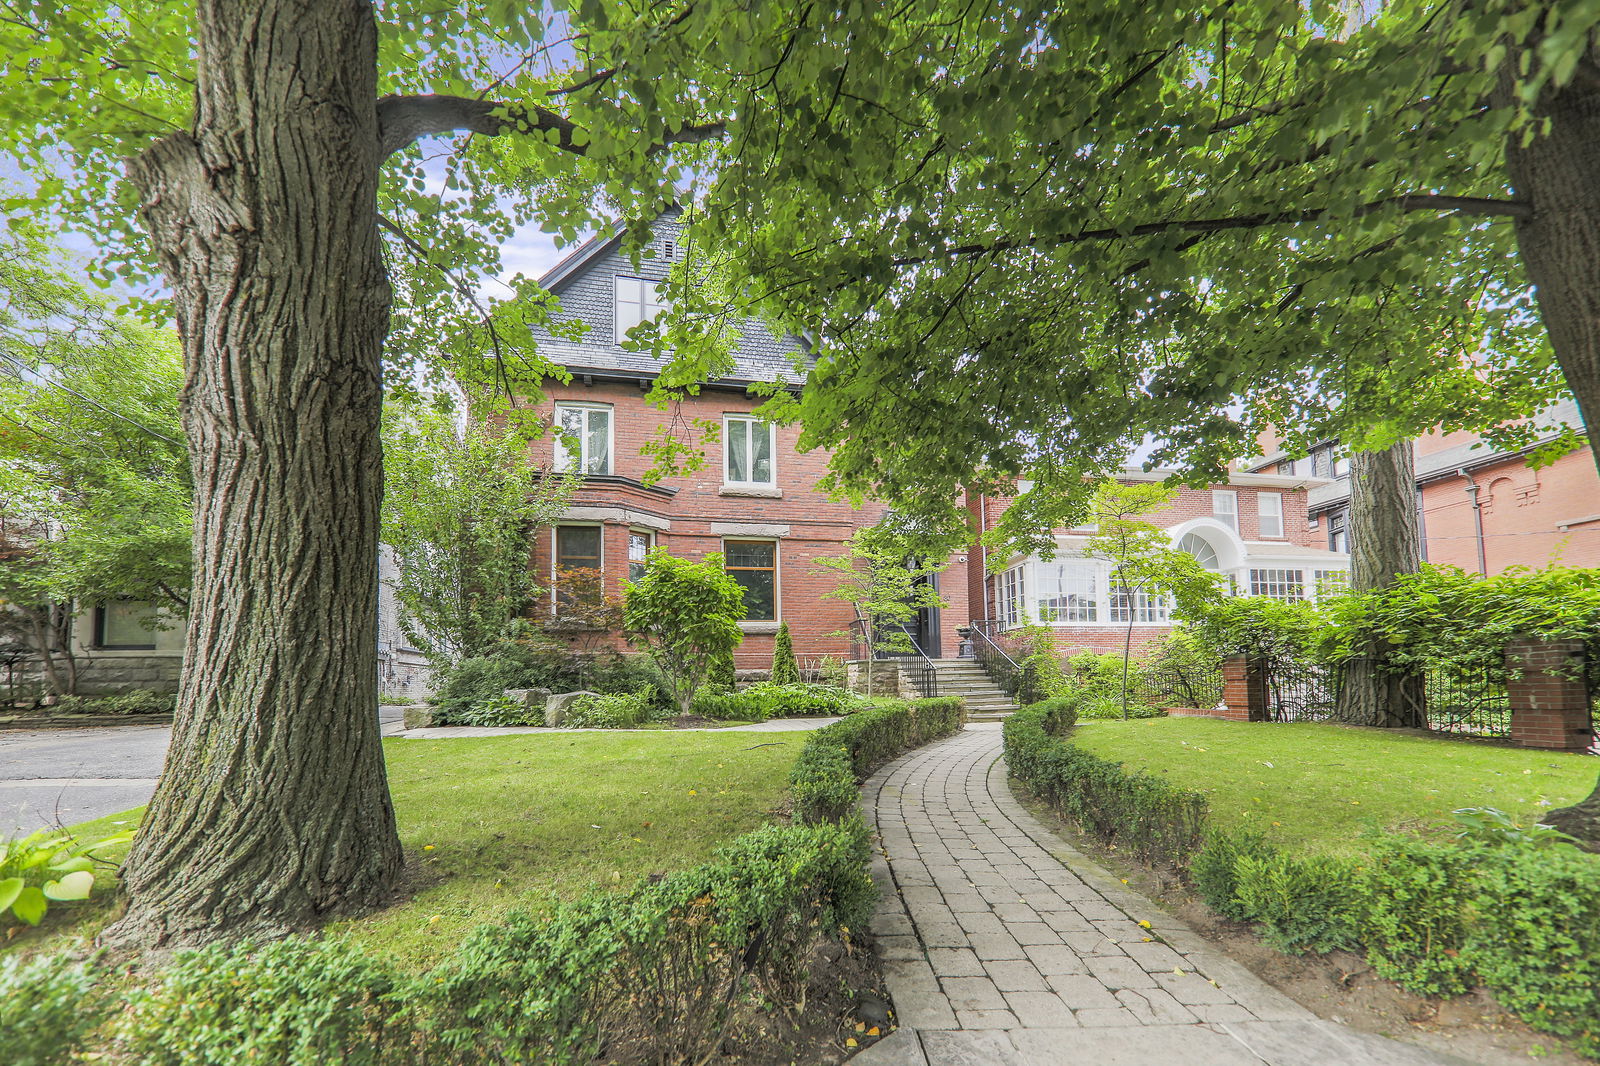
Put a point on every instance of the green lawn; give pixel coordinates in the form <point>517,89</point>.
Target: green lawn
<point>490,824</point>
<point>1317,787</point>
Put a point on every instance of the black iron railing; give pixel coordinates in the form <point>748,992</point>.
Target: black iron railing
<point>1013,680</point>
<point>1300,692</point>
<point>1173,686</point>
<point>1468,700</point>
<point>895,641</point>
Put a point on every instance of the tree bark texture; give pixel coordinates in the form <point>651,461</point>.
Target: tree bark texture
<point>1384,542</point>
<point>1560,249</point>
<point>273,811</point>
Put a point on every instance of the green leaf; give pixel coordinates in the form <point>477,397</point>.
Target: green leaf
<point>76,885</point>
<point>10,889</point>
<point>30,905</point>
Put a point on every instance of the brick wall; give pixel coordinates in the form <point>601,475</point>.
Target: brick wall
<point>698,514</point>
<point>1549,700</point>
<point>1530,517</point>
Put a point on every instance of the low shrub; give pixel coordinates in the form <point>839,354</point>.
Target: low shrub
<point>1512,908</point>
<point>617,711</point>
<point>470,688</point>
<point>651,976</point>
<point>133,702</point>
<point>1106,706</point>
<point>1415,910</point>
<point>296,1002</point>
<point>48,1007</point>
<point>765,700</point>
<point>50,866</point>
<point>1301,904</point>
<point>824,781</point>
<point>1145,815</point>
<point>501,710</point>
<point>1214,870</point>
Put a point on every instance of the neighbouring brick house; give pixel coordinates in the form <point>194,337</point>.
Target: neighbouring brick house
<point>1480,508</point>
<point>1253,530</point>
<point>755,500</point>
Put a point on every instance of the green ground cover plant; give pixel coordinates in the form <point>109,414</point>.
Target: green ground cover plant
<point>1439,907</point>
<point>1318,787</point>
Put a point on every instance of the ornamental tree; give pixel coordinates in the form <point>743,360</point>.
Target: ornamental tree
<point>685,614</point>
<point>460,500</point>
<point>882,575</point>
<point>1145,567</point>
<point>785,671</point>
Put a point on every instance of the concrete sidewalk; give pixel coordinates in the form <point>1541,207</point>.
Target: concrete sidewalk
<point>1002,945</point>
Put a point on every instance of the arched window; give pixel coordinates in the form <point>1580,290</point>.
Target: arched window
<point>1201,549</point>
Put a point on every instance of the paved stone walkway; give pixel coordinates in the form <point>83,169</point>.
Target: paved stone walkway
<point>1003,946</point>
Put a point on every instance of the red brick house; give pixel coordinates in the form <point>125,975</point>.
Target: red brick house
<point>755,500</point>
<point>1481,508</point>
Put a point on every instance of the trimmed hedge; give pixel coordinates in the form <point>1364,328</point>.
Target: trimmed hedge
<point>48,1008</point>
<point>1154,820</point>
<point>825,781</point>
<point>766,699</point>
<point>1519,917</point>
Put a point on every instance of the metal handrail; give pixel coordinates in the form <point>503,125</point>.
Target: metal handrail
<point>926,676</point>
<point>994,660</point>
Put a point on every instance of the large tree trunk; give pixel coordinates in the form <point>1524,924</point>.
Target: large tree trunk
<point>1559,173</point>
<point>273,811</point>
<point>1383,543</point>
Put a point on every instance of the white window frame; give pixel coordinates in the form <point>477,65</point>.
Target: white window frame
<point>640,296</point>
<point>1225,507</point>
<point>1010,598</point>
<point>1275,513</point>
<point>1147,608</point>
<point>1284,584</point>
<point>1069,579</point>
<point>564,456</point>
<point>746,424</point>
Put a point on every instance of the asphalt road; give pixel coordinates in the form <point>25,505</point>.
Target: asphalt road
<point>65,776</point>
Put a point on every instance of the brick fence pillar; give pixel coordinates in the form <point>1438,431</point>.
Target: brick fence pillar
<point>1549,699</point>
<point>1244,689</point>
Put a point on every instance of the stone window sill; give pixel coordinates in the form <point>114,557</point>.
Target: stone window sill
<point>748,626</point>
<point>771,492</point>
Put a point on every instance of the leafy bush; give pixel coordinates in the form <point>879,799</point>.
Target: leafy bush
<point>765,700</point>
<point>824,781</point>
<point>292,1003</point>
<point>1214,870</point>
<point>1104,707</point>
<point>1415,912</point>
<point>1145,815</point>
<point>48,1006</point>
<point>1296,632</point>
<point>617,711</point>
<point>50,865</point>
<point>651,976</point>
<point>502,710</point>
<point>1302,904</point>
<point>135,701</point>
<point>466,693</point>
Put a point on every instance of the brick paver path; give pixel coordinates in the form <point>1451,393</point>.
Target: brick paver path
<point>1003,945</point>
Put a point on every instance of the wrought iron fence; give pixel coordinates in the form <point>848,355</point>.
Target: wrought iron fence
<point>1300,692</point>
<point>1171,686</point>
<point>1470,701</point>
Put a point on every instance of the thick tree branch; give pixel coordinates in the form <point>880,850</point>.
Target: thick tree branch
<point>1463,205</point>
<point>403,119</point>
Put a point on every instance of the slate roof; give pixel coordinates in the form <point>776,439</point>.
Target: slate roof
<point>584,282</point>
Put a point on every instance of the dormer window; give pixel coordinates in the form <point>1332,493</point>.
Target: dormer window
<point>636,302</point>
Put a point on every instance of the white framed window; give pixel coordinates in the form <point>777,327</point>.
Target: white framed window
<point>640,541</point>
<point>748,444</point>
<point>1068,592</point>
<point>1225,507</point>
<point>1269,508</point>
<point>1202,550</point>
<point>637,302</point>
<point>1008,604</point>
<point>585,443</point>
<point>1286,585</point>
<point>1148,607</point>
<point>1331,582</point>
